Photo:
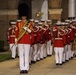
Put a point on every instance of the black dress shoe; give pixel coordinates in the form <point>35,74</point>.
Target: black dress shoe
<point>41,58</point>
<point>25,71</point>
<point>50,55</point>
<point>57,63</point>
<point>13,58</point>
<point>67,60</point>
<point>31,61</point>
<point>47,55</point>
<point>71,57</point>
<point>63,62</point>
<point>38,60</point>
<point>34,61</point>
<point>60,64</point>
<point>44,57</point>
<point>22,71</point>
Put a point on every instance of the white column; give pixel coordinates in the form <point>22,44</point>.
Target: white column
<point>71,8</point>
<point>44,10</point>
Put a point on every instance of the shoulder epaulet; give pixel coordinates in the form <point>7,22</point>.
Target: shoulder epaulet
<point>28,22</point>
<point>9,28</point>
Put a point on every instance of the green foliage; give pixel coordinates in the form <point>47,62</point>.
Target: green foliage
<point>4,57</point>
<point>1,45</point>
<point>54,21</point>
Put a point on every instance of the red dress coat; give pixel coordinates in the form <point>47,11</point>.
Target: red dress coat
<point>11,35</point>
<point>26,38</point>
<point>58,39</point>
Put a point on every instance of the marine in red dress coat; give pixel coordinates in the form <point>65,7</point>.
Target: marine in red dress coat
<point>24,44</point>
<point>11,38</point>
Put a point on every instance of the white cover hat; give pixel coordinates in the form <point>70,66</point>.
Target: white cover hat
<point>58,23</point>
<point>43,20</point>
<point>31,20</point>
<point>40,23</point>
<point>67,20</point>
<point>18,20</point>
<point>74,20</point>
<point>36,21</point>
<point>63,23</point>
<point>13,23</point>
<point>48,20</point>
<point>66,23</point>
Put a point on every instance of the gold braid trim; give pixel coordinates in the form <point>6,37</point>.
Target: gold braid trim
<point>22,32</point>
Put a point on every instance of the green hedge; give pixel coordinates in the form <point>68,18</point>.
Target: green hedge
<point>4,57</point>
<point>1,45</point>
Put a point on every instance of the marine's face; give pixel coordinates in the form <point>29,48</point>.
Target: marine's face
<point>66,27</point>
<point>13,26</point>
<point>58,27</point>
<point>43,23</point>
<point>62,27</point>
<point>23,17</point>
<point>33,22</point>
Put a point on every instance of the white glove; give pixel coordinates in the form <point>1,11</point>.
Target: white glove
<point>40,26</point>
<point>15,40</point>
<point>29,30</point>
<point>25,28</point>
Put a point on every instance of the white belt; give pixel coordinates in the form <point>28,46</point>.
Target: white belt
<point>58,38</point>
<point>49,33</point>
<point>34,34</point>
<point>12,35</point>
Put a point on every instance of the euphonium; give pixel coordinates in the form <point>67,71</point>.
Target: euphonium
<point>22,32</point>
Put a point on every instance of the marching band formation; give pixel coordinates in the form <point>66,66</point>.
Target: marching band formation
<point>36,40</point>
